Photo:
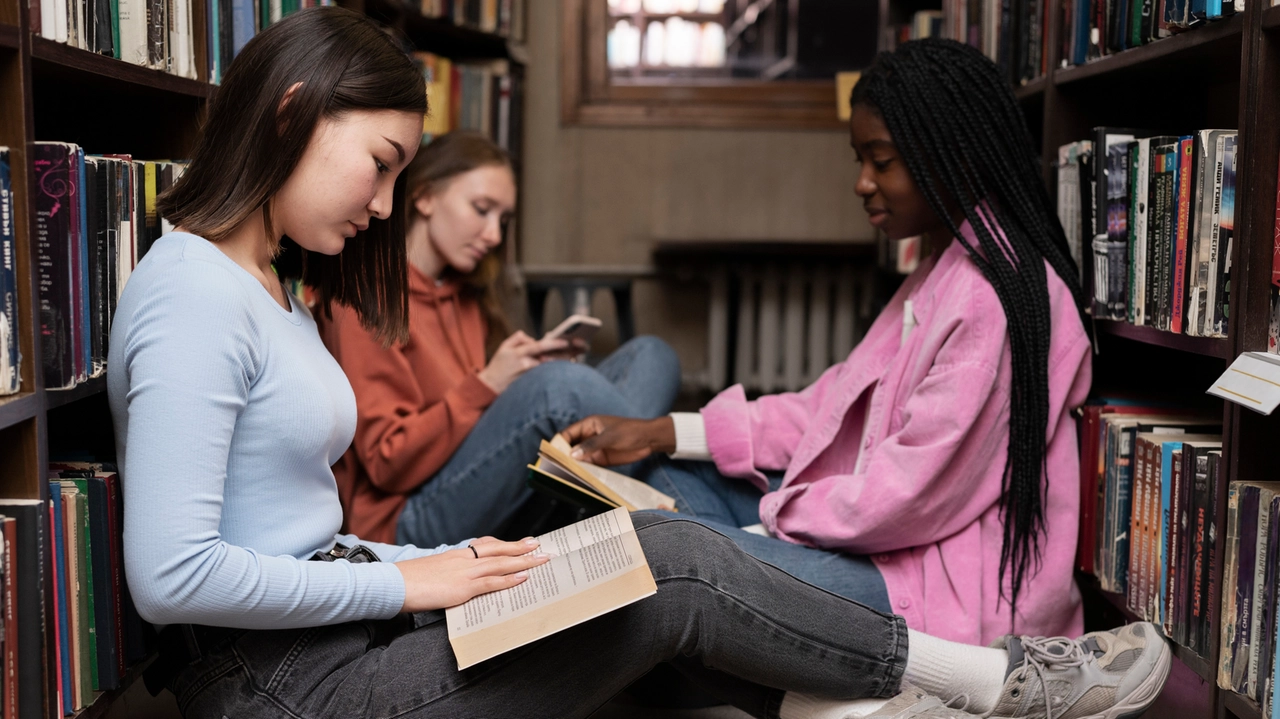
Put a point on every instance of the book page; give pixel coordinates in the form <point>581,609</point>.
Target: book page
<point>597,566</point>
<point>633,490</point>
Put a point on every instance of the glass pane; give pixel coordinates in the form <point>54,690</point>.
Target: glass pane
<point>624,45</point>
<point>745,39</point>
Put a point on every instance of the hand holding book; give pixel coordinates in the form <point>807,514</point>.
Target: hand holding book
<point>453,577</point>
<point>610,441</point>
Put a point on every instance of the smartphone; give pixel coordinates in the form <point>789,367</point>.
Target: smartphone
<point>579,327</point>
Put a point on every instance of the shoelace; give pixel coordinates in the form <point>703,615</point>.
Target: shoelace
<point>1045,652</point>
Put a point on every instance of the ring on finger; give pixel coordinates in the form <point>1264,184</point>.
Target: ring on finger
<point>473,550</point>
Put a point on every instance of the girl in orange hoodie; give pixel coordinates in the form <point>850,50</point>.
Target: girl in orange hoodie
<point>448,419</point>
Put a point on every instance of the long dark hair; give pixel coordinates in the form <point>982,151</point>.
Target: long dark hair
<point>958,127</point>
<point>446,157</point>
<point>249,146</point>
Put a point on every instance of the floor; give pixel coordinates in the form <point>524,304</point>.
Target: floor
<point>138,704</point>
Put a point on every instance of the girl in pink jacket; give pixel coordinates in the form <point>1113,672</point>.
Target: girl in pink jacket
<point>934,473</point>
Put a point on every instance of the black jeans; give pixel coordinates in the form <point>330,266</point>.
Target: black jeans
<point>742,629</point>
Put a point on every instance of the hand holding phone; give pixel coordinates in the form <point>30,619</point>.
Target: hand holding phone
<point>575,327</point>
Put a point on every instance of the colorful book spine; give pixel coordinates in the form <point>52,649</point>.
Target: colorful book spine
<point>1186,165</point>
<point>10,370</point>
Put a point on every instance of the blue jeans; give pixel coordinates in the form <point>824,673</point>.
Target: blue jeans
<point>725,504</point>
<point>483,484</point>
<point>739,628</point>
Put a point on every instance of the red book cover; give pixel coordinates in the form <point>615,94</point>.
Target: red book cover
<point>10,529</point>
<point>1275,250</point>
<point>1186,161</point>
<point>1092,467</point>
<point>117,561</point>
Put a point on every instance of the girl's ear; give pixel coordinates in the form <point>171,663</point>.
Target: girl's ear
<point>425,204</point>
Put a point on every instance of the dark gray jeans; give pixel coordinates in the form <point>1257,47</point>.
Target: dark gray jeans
<point>742,629</point>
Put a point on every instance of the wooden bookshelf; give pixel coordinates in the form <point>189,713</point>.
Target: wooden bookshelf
<point>18,408</point>
<point>1219,74</point>
<point>1208,346</point>
<point>1033,90</point>
<point>55,398</point>
<point>53,92</point>
<point>1198,45</point>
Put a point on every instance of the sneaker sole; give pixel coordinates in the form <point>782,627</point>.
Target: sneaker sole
<point>1145,695</point>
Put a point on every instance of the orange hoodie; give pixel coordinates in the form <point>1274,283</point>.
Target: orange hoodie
<point>416,402</point>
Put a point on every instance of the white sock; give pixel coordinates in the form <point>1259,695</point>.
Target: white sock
<point>948,670</point>
<point>804,706</point>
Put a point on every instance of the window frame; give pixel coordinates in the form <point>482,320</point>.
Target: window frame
<point>588,97</point>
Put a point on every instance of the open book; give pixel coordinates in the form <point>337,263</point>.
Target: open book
<point>586,485</point>
<point>597,566</point>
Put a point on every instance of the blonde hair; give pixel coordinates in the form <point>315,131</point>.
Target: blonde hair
<point>446,157</point>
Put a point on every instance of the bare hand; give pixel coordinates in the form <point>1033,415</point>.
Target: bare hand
<point>517,354</point>
<point>605,440</point>
<point>450,578</point>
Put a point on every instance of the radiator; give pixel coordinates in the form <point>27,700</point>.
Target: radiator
<point>778,326</point>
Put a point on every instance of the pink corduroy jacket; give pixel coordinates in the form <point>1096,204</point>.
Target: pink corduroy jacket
<point>898,453</point>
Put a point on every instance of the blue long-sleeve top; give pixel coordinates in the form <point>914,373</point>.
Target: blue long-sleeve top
<point>228,414</point>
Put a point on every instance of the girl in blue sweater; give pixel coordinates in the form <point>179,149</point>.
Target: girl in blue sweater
<point>229,413</point>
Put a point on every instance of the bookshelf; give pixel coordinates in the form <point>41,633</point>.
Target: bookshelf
<point>1223,74</point>
<point>52,91</point>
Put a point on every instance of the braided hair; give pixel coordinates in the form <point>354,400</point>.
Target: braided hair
<point>962,136</point>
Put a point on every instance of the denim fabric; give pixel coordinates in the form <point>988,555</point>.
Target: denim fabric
<point>483,484</point>
<point>726,504</point>
<point>738,627</point>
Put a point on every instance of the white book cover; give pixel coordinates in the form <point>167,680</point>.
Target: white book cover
<point>180,37</point>
<point>133,31</point>
<point>48,28</point>
<point>60,20</point>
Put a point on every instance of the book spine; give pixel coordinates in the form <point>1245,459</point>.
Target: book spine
<point>1124,508</point>
<point>1131,309</point>
<point>1268,606</point>
<point>1212,579</point>
<point>11,378</point>
<point>103,608</point>
<point>53,238</point>
<point>1154,538</point>
<point>9,527</point>
<point>59,566</point>
<point>1207,270</point>
<point>1186,166</point>
<point>114,528</point>
<point>1136,596</point>
<point>1155,229</point>
<point>1263,514</point>
<point>1088,487</point>
<point>1184,481</point>
<point>1231,598</point>
<point>1200,491</point>
<point>1243,575</point>
<point>34,682</point>
<point>1169,571</point>
<point>1226,236</point>
<point>157,23</point>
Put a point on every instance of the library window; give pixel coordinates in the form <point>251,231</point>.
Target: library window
<point>711,63</point>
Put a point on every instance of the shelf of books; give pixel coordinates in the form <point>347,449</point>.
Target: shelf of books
<point>76,183</point>
<point>1157,127</point>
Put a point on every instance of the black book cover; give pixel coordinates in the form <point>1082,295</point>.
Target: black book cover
<point>115,186</point>
<point>225,39</point>
<point>95,192</point>
<point>1268,606</point>
<point>1212,577</point>
<point>1246,560</point>
<point>102,41</point>
<point>568,493</point>
<point>35,684</point>
<point>1181,496</point>
<point>50,167</point>
<point>1198,607</point>
<point>104,604</point>
<point>1148,22</point>
<point>8,274</point>
<point>115,524</point>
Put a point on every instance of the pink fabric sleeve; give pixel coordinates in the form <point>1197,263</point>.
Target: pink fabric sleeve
<point>924,482</point>
<point>745,437</point>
